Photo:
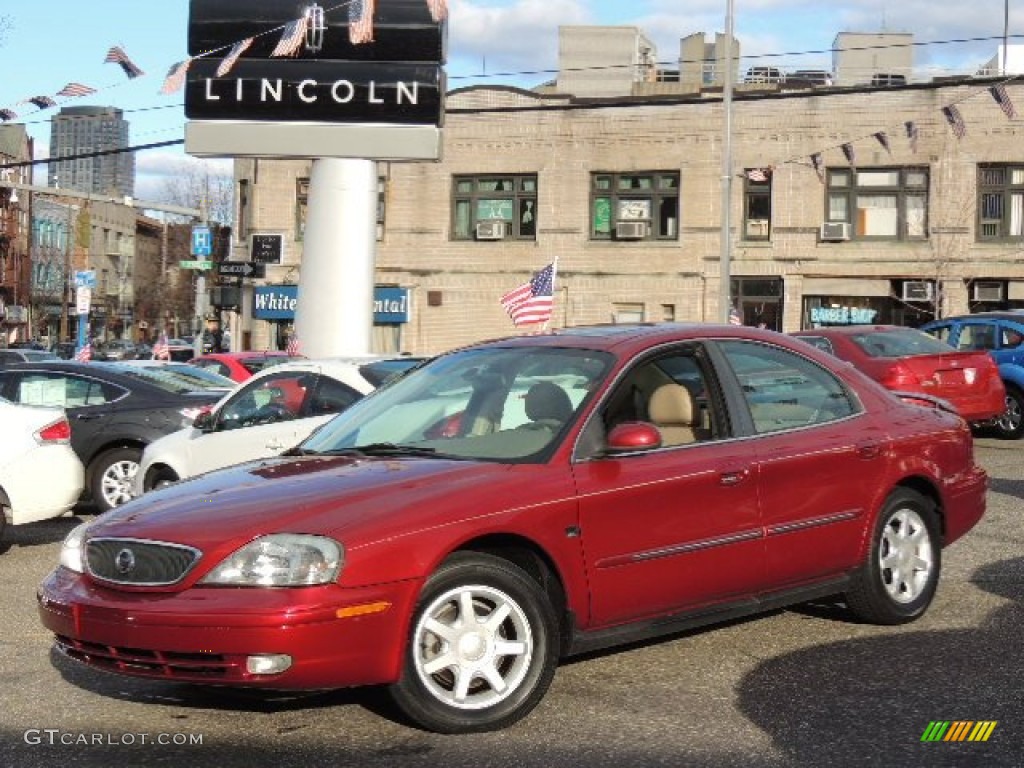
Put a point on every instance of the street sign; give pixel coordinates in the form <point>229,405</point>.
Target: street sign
<point>195,264</point>
<point>202,241</point>
<point>83,299</point>
<point>266,248</point>
<point>241,269</point>
<point>85,278</point>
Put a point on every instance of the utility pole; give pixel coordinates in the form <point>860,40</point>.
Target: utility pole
<point>725,266</point>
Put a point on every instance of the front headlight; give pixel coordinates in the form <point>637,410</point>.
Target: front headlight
<point>280,560</point>
<point>72,549</point>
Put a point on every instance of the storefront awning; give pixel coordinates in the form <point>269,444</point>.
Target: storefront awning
<point>845,286</point>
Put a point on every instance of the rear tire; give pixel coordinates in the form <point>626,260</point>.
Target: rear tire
<point>482,647</point>
<point>110,477</point>
<point>897,583</point>
<point>1010,423</point>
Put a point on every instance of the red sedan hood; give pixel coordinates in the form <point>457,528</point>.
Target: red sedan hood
<point>328,495</point>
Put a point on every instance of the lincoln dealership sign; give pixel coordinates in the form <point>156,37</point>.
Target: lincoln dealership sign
<point>327,97</point>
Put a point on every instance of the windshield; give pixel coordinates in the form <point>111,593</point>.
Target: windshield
<point>162,377</point>
<point>502,404</point>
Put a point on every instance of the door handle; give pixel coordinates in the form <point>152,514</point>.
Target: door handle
<point>733,476</point>
<point>87,416</point>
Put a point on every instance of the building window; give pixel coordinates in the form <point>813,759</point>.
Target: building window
<point>634,206</point>
<point>757,204</point>
<point>494,207</point>
<point>302,206</point>
<point>244,210</point>
<point>879,203</point>
<point>1000,202</point>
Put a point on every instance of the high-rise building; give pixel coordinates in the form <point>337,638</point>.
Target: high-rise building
<point>78,133</point>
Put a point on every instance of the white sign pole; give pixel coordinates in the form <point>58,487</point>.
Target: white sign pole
<point>334,314</point>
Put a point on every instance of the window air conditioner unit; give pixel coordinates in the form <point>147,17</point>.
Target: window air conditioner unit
<point>918,290</point>
<point>492,229</point>
<point>835,230</point>
<point>630,230</point>
<point>988,290</point>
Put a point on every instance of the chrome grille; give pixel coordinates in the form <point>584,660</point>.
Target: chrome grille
<point>139,563</point>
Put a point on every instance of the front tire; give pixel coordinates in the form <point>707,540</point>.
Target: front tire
<point>482,649</point>
<point>110,477</point>
<point>897,583</point>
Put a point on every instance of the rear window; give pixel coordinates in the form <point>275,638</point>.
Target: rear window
<point>901,342</point>
<point>257,364</point>
<point>160,377</point>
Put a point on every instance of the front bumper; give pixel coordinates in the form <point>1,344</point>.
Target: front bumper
<point>205,635</point>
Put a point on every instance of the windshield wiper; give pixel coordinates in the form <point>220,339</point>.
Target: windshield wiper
<point>371,449</point>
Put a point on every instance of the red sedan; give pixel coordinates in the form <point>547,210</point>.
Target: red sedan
<point>457,532</point>
<point>910,361</point>
<point>239,366</point>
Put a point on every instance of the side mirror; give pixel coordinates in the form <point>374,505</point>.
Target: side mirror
<point>633,436</point>
<point>204,420</point>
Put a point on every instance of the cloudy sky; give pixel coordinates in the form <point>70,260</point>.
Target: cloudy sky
<point>45,44</point>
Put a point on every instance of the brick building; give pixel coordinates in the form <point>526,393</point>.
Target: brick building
<point>625,192</point>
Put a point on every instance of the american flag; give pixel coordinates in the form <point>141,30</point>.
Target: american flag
<point>8,114</point>
<point>533,301</point>
<point>72,90</point>
<point>956,122</point>
<point>162,350</point>
<point>175,77</point>
<point>912,134</point>
<point>734,317</point>
<point>438,9</point>
<point>818,166</point>
<point>848,153</point>
<point>360,21</point>
<point>1003,100</point>
<point>84,353</point>
<point>292,38</point>
<point>43,102</point>
<point>116,55</point>
<point>293,347</point>
<point>759,174</point>
<point>882,138</point>
<point>229,60</point>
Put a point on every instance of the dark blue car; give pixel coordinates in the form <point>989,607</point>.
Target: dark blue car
<point>1001,334</point>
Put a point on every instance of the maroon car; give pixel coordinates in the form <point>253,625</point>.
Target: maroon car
<point>910,361</point>
<point>457,532</point>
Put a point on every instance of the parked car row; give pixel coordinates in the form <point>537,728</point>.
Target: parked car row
<point>455,534</point>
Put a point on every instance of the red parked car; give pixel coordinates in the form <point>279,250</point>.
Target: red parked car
<point>239,366</point>
<point>910,361</point>
<point>578,490</point>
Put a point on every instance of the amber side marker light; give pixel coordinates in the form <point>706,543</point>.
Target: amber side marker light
<point>362,610</point>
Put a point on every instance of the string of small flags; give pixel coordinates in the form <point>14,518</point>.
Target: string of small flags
<point>951,114</point>
<point>74,90</point>
<point>295,33</point>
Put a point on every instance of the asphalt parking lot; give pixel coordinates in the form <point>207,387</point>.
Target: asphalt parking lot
<point>799,687</point>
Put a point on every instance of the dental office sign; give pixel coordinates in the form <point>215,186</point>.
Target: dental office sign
<point>382,99</point>
<point>391,305</point>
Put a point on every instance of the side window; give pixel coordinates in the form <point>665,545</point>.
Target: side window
<point>62,391</point>
<point>331,396</point>
<point>1011,338</point>
<point>674,392</point>
<point>820,342</point>
<point>784,390</point>
<point>977,336</point>
<point>268,400</point>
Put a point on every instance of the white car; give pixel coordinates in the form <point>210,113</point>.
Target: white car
<point>40,475</point>
<point>273,411</point>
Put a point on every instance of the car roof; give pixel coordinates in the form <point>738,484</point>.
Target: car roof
<point>1012,316</point>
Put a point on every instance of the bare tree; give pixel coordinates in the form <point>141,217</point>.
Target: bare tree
<point>200,185</point>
